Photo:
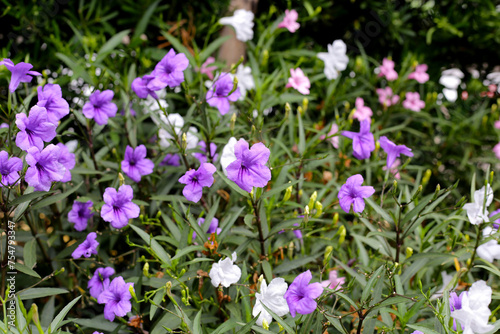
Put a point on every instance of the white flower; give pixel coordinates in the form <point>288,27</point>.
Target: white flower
<point>475,210</point>
<point>272,297</point>
<point>446,280</point>
<point>451,80</point>
<point>335,59</point>
<point>174,122</point>
<point>490,250</point>
<point>474,314</point>
<point>225,272</point>
<point>245,80</point>
<point>242,22</point>
<point>228,155</point>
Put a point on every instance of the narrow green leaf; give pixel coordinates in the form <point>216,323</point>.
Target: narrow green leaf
<point>28,271</point>
<point>29,253</point>
<point>55,198</point>
<point>34,293</point>
<point>56,323</point>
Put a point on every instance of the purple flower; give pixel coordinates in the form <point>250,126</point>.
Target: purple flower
<point>45,167</point>
<point>393,151</point>
<point>297,232</point>
<point>67,159</point>
<point>202,157</point>
<point>455,302</point>
<point>496,223</point>
<point>363,142</point>
<point>135,164</point>
<point>100,281</point>
<point>80,214</point>
<point>213,228</point>
<point>300,295</point>
<point>35,129</point>
<point>9,169</point>
<point>170,70</point>
<point>352,192</point>
<point>218,96</point>
<point>86,248</point>
<point>171,160</point>
<point>116,299</point>
<point>4,126</point>
<point>195,180</point>
<point>249,169</point>
<point>146,86</point>
<point>119,207</point>
<point>20,73</point>
<point>50,97</point>
<point>100,107</point>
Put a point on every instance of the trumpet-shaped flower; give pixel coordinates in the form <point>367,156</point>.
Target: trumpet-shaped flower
<point>249,169</point>
<point>135,164</point>
<point>202,157</point>
<point>290,21</point>
<point>335,59</point>
<point>34,129</point>
<point>213,228</point>
<point>20,73</point>
<point>50,97</point>
<point>451,79</point>
<point>420,74</point>
<point>413,102</point>
<point>9,169</point>
<point>86,248</point>
<point>299,81</point>
<point>386,97</point>
<point>334,282</point>
<point>171,160</point>
<point>170,70</point>
<point>195,180</point>
<point>225,272</point>
<point>222,92</point>
<point>387,70</point>
<point>335,139</point>
<point>362,112</point>
<point>393,151</point>
<point>352,193</point>
<point>80,214</point>
<point>116,299</point>
<point>490,250</point>
<point>475,209</point>
<point>67,159</point>
<point>474,312</point>
<point>300,296</point>
<point>100,281</point>
<point>272,297</point>
<point>145,86</point>
<point>363,142</point>
<point>45,167</point>
<point>99,107</point>
<point>242,22</point>
<point>118,207</point>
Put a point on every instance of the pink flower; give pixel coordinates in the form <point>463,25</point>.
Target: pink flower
<point>334,282</point>
<point>290,21</point>
<point>420,74</point>
<point>497,124</point>
<point>299,81</point>
<point>496,150</point>
<point>205,69</point>
<point>386,97</point>
<point>413,102</point>
<point>362,112</point>
<point>387,70</point>
<point>333,140</point>
<point>394,169</point>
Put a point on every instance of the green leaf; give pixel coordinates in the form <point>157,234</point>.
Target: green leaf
<point>28,271</point>
<point>212,47</point>
<point>111,45</point>
<point>55,198</point>
<point>34,293</point>
<point>233,185</point>
<point>423,329</point>
<point>141,26</point>
<point>379,210</point>
<point>197,324</point>
<point>246,329</point>
<point>336,323</point>
<point>287,265</point>
<point>29,253</point>
<point>277,190</point>
<point>187,250</point>
<point>56,323</point>
<point>179,47</point>
<point>302,135</point>
<point>367,291</point>
<point>28,197</point>
<point>283,324</point>
<point>268,271</point>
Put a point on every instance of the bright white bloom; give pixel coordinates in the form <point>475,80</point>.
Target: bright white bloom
<point>475,210</point>
<point>490,250</point>
<point>272,297</point>
<point>451,79</point>
<point>225,272</point>
<point>335,59</point>
<point>446,280</point>
<point>175,122</point>
<point>242,22</point>
<point>245,80</point>
<point>72,145</point>
<point>474,314</point>
<point>228,155</point>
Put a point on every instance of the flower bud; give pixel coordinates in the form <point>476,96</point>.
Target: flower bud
<point>305,103</point>
<point>233,122</point>
<point>436,192</point>
<point>335,219</point>
<point>328,252</point>
<point>427,177</point>
<point>319,209</point>
<point>259,282</point>
<point>184,141</point>
<point>145,270</point>
<point>306,210</point>
<point>312,199</point>
<point>288,109</point>
<point>492,173</point>
<point>342,233</point>
<point>409,252</point>
<point>419,190</point>
<point>132,292</point>
<point>265,325</point>
<point>235,85</point>
<point>394,187</point>
<point>121,179</point>
<point>265,57</point>
<point>290,249</point>
<point>300,110</point>
<point>288,193</point>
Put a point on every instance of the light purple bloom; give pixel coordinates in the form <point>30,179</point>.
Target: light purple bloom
<point>386,96</point>
<point>362,112</point>
<point>100,281</point>
<point>35,129</point>
<point>455,302</point>
<point>67,159</point>
<point>249,169</point>
<point>99,107</point>
<point>9,169</point>
<point>393,151</point>
<point>496,223</point>
<point>116,299</point>
<point>352,192</point>
<point>213,228</point>
<point>4,126</point>
<point>334,282</point>
<point>86,248</point>
<point>50,97</point>
<point>20,73</point>
<point>135,164</point>
<point>205,69</point>
<point>195,180</point>
<point>146,86</point>
<point>413,102</point>
<point>170,70</point>
<point>218,96</point>
<point>202,157</point>
<point>171,160</point>
<point>420,74</point>
<point>300,295</point>
<point>363,142</point>
<point>45,167</point>
<point>387,70</point>
<point>80,214</point>
<point>119,207</point>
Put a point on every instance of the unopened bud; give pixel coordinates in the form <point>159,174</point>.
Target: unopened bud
<point>132,292</point>
<point>494,107</point>
<point>233,122</point>
<point>290,249</point>
<point>468,262</point>
<point>419,190</point>
<point>265,325</point>
<point>436,192</point>
<point>409,252</point>
<point>158,215</point>
<point>235,85</point>
<point>312,199</point>
<point>288,109</point>
<point>60,271</point>
<point>259,282</point>
<point>328,253</point>
<point>394,187</point>
<point>492,173</point>
<point>184,141</point>
<point>265,57</point>
<point>288,193</point>
<point>306,210</point>
<point>335,219</point>
<point>121,179</point>
<point>461,202</point>
<point>467,238</point>
<point>145,269</point>
<point>300,110</point>
<point>342,233</point>
<point>319,209</point>
<point>305,103</point>
<point>427,177</point>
